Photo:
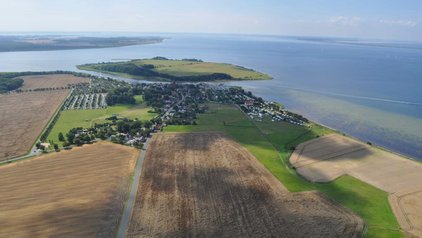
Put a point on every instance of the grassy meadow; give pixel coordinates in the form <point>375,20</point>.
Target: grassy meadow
<point>186,68</point>
<point>86,118</point>
<point>270,143</point>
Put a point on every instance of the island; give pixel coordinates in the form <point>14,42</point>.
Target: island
<point>58,42</point>
<point>171,70</point>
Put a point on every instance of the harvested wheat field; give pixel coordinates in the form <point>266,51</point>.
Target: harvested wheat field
<point>206,185</point>
<point>326,158</point>
<point>76,193</point>
<point>23,117</point>
<point>51,81</point>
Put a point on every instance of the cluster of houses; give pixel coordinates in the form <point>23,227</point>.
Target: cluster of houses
<point>255,107</point>
<point>257,110</point>
<point>183,96</point>
<point>177,103</point>
<point>127,139</point>
<point>86,101</point>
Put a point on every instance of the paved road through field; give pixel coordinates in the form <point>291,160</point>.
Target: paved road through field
<point>127,212</point>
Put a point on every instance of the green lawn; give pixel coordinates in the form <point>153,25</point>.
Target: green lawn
<point>270,141</point>
<point>186,68</point>
<point>86,118</point>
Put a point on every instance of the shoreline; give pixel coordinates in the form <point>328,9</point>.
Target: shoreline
<point>376,146</point>
<point>121,77</point>
<point>357,138</point>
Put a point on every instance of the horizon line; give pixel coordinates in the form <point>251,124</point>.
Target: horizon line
<point>215,33</point>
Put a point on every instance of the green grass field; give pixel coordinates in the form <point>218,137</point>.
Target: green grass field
<point>188,68</point>
<point>270,142</point>
<point>86,118</point>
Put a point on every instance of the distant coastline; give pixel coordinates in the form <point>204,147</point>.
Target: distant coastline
<point>48,43</point>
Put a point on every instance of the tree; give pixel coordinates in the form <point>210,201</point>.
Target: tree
<point>61,137</point>
<point>78,142</point>
<point>56,147</point>
<point>148,124</point>
<point>123,126</point>
<point>70,137</point>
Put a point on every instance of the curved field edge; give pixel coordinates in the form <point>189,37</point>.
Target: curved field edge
<point>270,142</point>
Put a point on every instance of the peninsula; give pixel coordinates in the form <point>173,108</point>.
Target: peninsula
<point>185,70</point>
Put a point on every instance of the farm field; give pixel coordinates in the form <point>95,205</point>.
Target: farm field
<point>187,68</point>
<point>180,68</point>
<point>270,143</point>
<point>51,81</point>
<point>329,157</point>
<point>23,117</point>
<point>69,119</point>
<point>207,185</point>
<point>76,193</point>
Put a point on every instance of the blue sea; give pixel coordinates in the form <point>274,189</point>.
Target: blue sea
<point>371,90</point>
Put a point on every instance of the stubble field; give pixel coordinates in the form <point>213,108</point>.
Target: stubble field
<point>207,185</point>
<point>76,193</point>
<point>329,157</point>
<point>23,117</point>
<point>51,81</point>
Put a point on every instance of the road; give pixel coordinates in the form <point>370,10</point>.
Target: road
<point>127,212</point>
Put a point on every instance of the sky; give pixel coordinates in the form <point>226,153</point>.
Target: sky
<point>371,19</point>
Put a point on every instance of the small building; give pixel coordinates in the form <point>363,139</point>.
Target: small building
<point>249,103</point>
<point>45,145</point>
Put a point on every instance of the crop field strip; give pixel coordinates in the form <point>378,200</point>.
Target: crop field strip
<point>76,193</point>
<point>206,185</point>
<point>51,81</point>
<point>396,175</point>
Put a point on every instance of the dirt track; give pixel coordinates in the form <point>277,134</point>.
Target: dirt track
<point>325,159</point>
<point>206,185</point>
<point>77,193</point>
<point>51,81</point>
<point>23,117</point>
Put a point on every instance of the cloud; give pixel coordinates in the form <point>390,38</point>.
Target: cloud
<point>403,23</point>
<point>345,21</point>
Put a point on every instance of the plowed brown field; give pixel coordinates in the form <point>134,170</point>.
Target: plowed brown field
<point>51,81</point>
<point>23,117</point>
<point>77,193</point>
<point>206,185</point>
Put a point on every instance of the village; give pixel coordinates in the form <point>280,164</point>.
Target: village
<point>174,103</point>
